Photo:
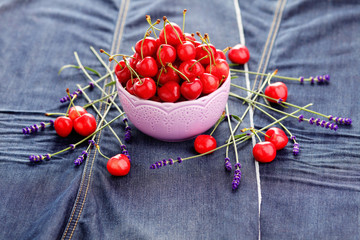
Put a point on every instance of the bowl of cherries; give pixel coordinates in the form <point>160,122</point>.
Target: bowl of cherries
<point>174,87</point>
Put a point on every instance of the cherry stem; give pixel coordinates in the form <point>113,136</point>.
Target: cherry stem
<point>172,67</point>
<point>164,18</point>
<point>197,62</point>
<point>177,34</point>
<point>148,19</point>
<point>158,79</point>
<point>98,148</point>
<point>204,48</point>
<point>71,102</point>
<point>226,49</point>
<point>111,58</point>
<point>131,70</point>
<point>142,43</point>
<point>183,25</point>
<point>255,132</point>
<point>160,48</point>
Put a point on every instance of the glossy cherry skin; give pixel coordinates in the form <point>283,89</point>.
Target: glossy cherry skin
<point>201,52</point>
<point>167,76</point>
<point>118,165</point>
<point>239,54</point>
<point>130,85</point>
<point>277,136</point>
<point>264,152</point>
<point>204,143</point>
<point>63,126</point>
<point>191,69</point>
<point>276,90</point>
<point>122,72</point>
<point>169,92</point>
<point>186,51</point>
<point>220,54</point>
<point>75,111</point>
<point>147,67</point>
<point>165,54</point>
<point>171,36</point>
<point>85,125</point>
<point>149,46</point>
<point>191,90</point>
<point>220,69</point>
<point>210,83</point>
<point>145,88</point>
<point>189,37</point>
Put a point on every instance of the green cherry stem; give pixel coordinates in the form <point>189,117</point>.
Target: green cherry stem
<point>179,72</point>
<point>217,123</point>
<point>183,23</point>
<point>98,148</point>
<point>177,34</point>
<point>164,19</point>
<point>71,102</point>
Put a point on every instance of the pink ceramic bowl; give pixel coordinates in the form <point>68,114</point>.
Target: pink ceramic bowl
<point>173,122</point>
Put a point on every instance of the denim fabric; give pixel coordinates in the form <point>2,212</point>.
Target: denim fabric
<point>314,195</point>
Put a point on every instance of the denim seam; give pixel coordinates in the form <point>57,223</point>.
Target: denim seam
<point>81,196</point>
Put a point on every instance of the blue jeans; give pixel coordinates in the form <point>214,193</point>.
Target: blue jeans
<point>314,195</point>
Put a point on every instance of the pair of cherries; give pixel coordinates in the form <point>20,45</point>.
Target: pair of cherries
<point>79,119</point>
<point>275,139</point>
<point>173,67</point>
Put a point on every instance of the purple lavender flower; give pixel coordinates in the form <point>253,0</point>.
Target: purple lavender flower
<point>237,176</point>
<point>301,79</point>
<point>228,166</point>
<point>301,118</point>
<point>296,149</point>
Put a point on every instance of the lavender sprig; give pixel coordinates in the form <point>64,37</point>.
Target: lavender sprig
<point>237,176</point>
<point>37,127</point>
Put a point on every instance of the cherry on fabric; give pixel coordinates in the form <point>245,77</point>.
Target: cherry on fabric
<point>276,90</point>
<point>239,54</point>
<point>76,111</point>
<point>264,152</point>
<point>63,126</point>
<point>277,136</point>
<point>118,165</point>
<point>85,124</point>
<point>204,143</point>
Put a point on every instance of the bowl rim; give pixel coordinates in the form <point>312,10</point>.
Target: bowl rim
<point>170,105</point>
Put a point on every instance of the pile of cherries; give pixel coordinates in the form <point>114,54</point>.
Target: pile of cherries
<point>173,67</point>
<point>79,119</point>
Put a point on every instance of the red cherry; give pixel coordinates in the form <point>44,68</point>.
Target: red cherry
<point>191,69</point>
<point>169,92</point>
<point>220,69</point>
<point>118,165</point>
<point>204,143</point>
<point>186,51</point>
<point>200,53</point>
<point>147,67</point>
<point>277,136</point>
<point>276,90</point>
<point>85,125</point>
<point>75,111</point>
<point>196,43</point>
<point>239,54</point>
<point>130,85</point>
<point>220,54</point>
<point>189,37</point>
<point>171,36</point>
<point>149,46</point>
<point>122,72</point>
<point>166,53</point>
<point>191,90</point>
<point>145,88</point>
<point>63,126</point>
<point>168,74</point>
<point>210,83</point>
<point>264,152</point>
